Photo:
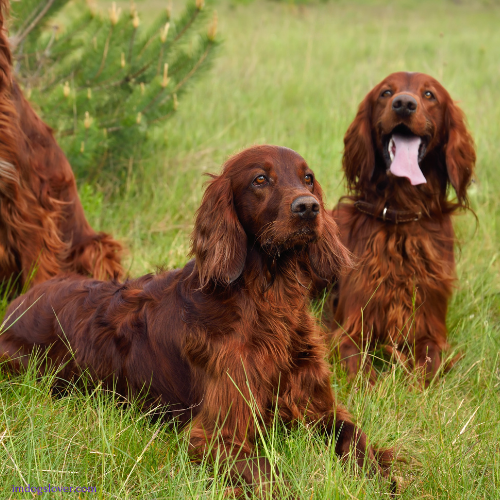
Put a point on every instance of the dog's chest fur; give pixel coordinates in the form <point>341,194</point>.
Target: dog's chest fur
<point>403,271</point>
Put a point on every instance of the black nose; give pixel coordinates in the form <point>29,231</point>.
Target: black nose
<point>404,105</point>
<point>306,207</point>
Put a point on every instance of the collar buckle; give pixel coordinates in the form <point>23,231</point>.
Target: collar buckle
<point>384,213</point>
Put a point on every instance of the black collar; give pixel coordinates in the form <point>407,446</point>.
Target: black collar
<point>388,214</point>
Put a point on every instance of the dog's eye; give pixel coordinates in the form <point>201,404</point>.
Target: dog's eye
<point>260,180</point>
<point>428,94</point>
<point>309,179</point>
<point>386,93</point>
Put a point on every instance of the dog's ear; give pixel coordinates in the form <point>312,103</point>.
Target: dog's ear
<point>460,151</point>
<point>218,241</point>
<point>358,160</point>
<point>328,256</point>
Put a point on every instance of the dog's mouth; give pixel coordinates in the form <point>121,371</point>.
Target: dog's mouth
<point>403,152</point>
<point>303,236</point>
<point>297,239</point>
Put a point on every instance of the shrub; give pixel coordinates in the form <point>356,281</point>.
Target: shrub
<point>104,79</point>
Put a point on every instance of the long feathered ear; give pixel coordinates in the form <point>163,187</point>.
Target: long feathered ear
<point>328,256</point>
<point>359,154</point>
<point>460,152</point>
<point>219,243</point>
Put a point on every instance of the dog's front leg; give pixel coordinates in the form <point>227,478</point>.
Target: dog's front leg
<point>226,428</point>
<point>313,398</point>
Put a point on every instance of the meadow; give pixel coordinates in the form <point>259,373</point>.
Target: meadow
<point>293,74</point>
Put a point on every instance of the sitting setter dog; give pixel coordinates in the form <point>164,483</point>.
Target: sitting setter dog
<point>226,337</point>
<point>406,146</point>
<point>42,223</point>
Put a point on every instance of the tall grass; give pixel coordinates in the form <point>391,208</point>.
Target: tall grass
<point>294,76</point>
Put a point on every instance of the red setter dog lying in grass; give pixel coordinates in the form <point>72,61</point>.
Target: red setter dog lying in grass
<point>233,322</point>
<point>42,222</point>
<point>407,144</point>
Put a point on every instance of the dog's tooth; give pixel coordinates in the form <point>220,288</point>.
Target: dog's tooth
<point>391,154</point>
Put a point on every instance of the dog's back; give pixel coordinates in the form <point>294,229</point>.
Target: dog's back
<point>128,335</point>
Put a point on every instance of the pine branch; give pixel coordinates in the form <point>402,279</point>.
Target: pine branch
<point>99,86</point>
<point>19,38</point>
<point>193,71</point>
<point>187,26</point>
<point>105,53</point>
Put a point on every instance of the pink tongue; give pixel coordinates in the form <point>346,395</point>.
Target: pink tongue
<point>405,162</point>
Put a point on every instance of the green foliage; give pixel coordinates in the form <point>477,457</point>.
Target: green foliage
<point>104,81</point>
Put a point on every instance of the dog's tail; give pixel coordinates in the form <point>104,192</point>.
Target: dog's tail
<point>97,255</point>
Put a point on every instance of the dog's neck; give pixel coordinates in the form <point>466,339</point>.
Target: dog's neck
<point>281,274</point>
<point>386,191</point>
<point>271,291</point>
<point>278,276</point>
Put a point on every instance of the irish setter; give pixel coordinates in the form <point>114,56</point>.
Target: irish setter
<point>42,223</point>
<point>406,146</point>
<point>225,340</point>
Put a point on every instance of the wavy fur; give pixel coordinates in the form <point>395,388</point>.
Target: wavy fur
<point>397,296</point>
<point>42,220</point>
<point>211,344</point>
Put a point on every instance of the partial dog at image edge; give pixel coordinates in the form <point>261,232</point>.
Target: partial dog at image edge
<point>43,224</point>
<point>225,341</point>
<point>407,144</point>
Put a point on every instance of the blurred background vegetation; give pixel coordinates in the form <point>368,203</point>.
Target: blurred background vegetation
<point>288,73</point>
<point>294,75</point>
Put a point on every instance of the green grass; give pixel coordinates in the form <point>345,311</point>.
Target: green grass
<point>293,75</point>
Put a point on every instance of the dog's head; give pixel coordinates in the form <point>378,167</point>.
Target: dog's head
<point>408,127</point>
<point>268,198</point>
